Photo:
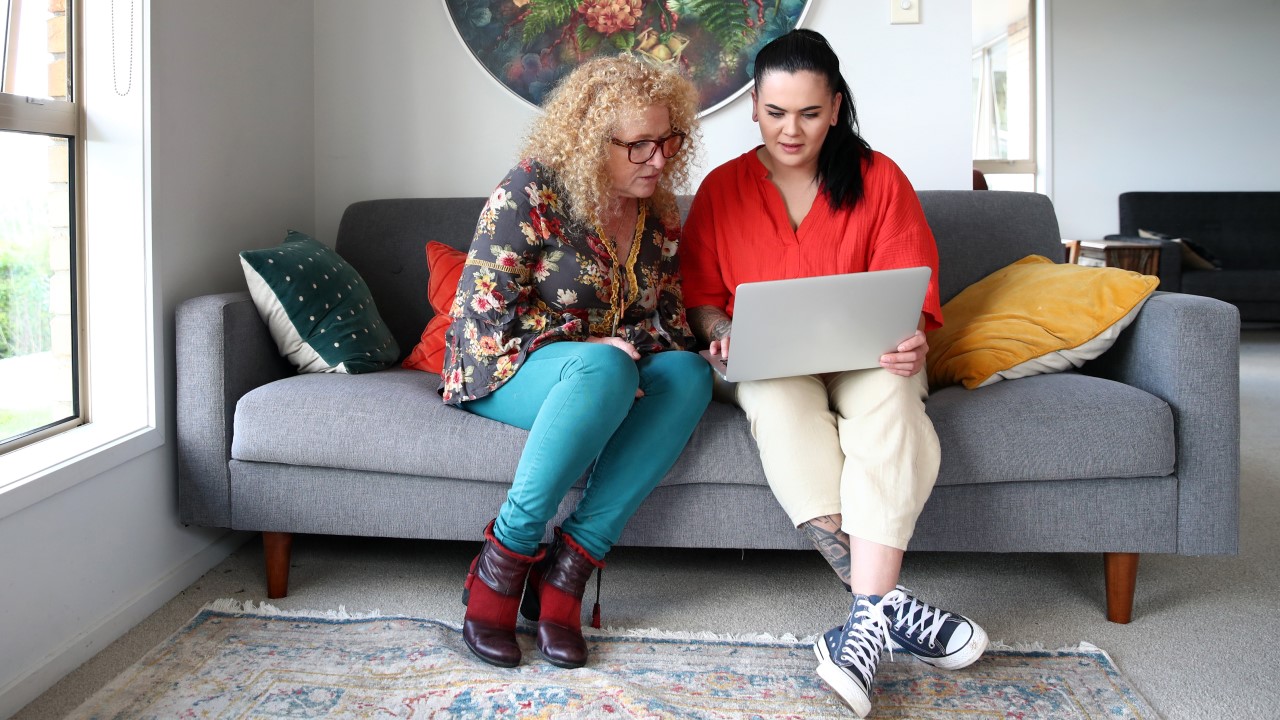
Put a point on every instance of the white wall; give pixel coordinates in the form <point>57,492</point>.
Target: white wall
<point>232,167</point>
<point>402,110</point>
<point>233,115</point>
<point>1160,95</point>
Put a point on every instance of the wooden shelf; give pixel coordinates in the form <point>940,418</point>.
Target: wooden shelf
<point>1140,257</point>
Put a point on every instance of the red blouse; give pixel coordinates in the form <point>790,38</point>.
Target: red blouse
<point>738,231</point>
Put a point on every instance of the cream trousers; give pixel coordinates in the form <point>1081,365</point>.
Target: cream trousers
<point>854,443</point>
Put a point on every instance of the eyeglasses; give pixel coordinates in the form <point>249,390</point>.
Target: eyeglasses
<point>641,151</point>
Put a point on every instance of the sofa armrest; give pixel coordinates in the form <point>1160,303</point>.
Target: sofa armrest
<point>1185,349</point>
<point>224,350</point>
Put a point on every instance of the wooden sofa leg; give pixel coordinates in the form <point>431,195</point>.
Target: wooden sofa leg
<point>277,547</point>
<point>1122,577</point>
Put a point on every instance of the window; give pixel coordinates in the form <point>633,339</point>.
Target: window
<point>1004,93</point>
<point>113,321</point>
<point>39,144</point>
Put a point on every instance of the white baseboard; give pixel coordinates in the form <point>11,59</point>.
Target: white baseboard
<point>73,653</point>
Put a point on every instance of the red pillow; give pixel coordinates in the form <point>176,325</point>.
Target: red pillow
<point>445,267</point>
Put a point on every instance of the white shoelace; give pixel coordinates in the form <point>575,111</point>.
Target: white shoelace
<point>929,621</point>
<point>862,644</point>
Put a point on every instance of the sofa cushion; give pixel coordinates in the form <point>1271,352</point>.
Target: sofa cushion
<point>445,267</point>
<point>317,307</point>
<point>1028,429</point>
<point>1032,317</point>
<point>401,426</point>
<point>390,421</point>
<point>1051,427</point>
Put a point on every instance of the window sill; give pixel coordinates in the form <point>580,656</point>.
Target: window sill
<point>46,468</point>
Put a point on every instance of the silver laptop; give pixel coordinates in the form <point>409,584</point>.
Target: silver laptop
<point>821,324</point>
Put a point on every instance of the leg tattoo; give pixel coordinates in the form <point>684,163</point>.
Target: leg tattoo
<point>825,534</point>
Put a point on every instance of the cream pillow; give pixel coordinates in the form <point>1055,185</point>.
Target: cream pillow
<point>1033,317</point>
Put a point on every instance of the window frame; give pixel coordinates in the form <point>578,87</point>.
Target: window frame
<point>1030,165</point>
<point>64,118</point>
<point>122,390</point>
<point>10,29</point>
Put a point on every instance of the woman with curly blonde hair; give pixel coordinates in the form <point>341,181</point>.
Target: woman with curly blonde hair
<point>604,92</point>
<point>569,322</point>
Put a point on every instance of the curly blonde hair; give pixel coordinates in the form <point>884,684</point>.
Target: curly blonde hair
<point>572,135</point>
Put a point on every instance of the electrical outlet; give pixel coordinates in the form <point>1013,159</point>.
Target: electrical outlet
<point>904,12</point>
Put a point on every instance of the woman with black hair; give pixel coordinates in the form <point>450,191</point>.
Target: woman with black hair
<point>851,456</point>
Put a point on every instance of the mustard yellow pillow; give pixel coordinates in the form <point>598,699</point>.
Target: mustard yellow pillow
<point>1033,317</point>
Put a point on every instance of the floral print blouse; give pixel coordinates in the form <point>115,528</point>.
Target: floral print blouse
<point>535,276</point>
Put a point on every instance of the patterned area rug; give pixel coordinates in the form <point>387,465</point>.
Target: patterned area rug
<point>234,662</point>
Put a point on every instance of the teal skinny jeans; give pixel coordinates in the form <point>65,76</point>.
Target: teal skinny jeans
<point>577,400</point>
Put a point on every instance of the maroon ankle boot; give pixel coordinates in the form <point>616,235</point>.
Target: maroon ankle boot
<point>554,599</point>
<point>490,623</point>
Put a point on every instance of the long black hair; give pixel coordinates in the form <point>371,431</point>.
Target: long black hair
<point>842,153</point>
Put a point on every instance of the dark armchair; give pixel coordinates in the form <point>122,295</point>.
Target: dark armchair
<point>1239,230</point>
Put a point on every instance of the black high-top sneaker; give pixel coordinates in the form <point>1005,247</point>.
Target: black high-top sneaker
<point>848,655</point>
<point>943,639</point>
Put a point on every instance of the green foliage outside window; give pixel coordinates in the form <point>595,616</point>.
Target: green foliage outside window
<point>24,295</point>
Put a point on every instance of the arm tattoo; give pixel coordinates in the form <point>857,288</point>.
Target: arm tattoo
<point>709,323</point>
<point>832,544</point>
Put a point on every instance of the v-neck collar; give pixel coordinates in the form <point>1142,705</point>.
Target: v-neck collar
<point>777,206</point>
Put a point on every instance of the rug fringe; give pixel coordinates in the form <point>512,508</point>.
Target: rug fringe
<point>1039,647</point>
<point>247,607</point>
<point>660,634</point>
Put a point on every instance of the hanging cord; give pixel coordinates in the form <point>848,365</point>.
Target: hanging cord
<point>115,73</point>
<point>595,611</point>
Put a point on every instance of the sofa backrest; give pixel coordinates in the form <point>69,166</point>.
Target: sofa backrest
<point>385,241</point>
<point>981,231</point>
<point>1241,229</point>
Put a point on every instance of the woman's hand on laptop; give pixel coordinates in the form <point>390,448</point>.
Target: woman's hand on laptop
<point>720,348</point>
<point>713,325</point>
<point>909,359</point>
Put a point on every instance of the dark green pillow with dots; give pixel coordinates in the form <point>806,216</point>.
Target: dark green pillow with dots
<point>318,308</point>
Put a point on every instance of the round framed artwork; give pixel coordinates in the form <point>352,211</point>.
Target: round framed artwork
<point>528,45</point>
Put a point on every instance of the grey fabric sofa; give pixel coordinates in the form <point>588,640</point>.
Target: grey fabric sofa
<point>1241,229</point>
<point>1136,453</point>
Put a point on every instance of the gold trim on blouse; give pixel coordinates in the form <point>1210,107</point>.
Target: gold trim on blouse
<point>522,271</point>
<point>608,325</point>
